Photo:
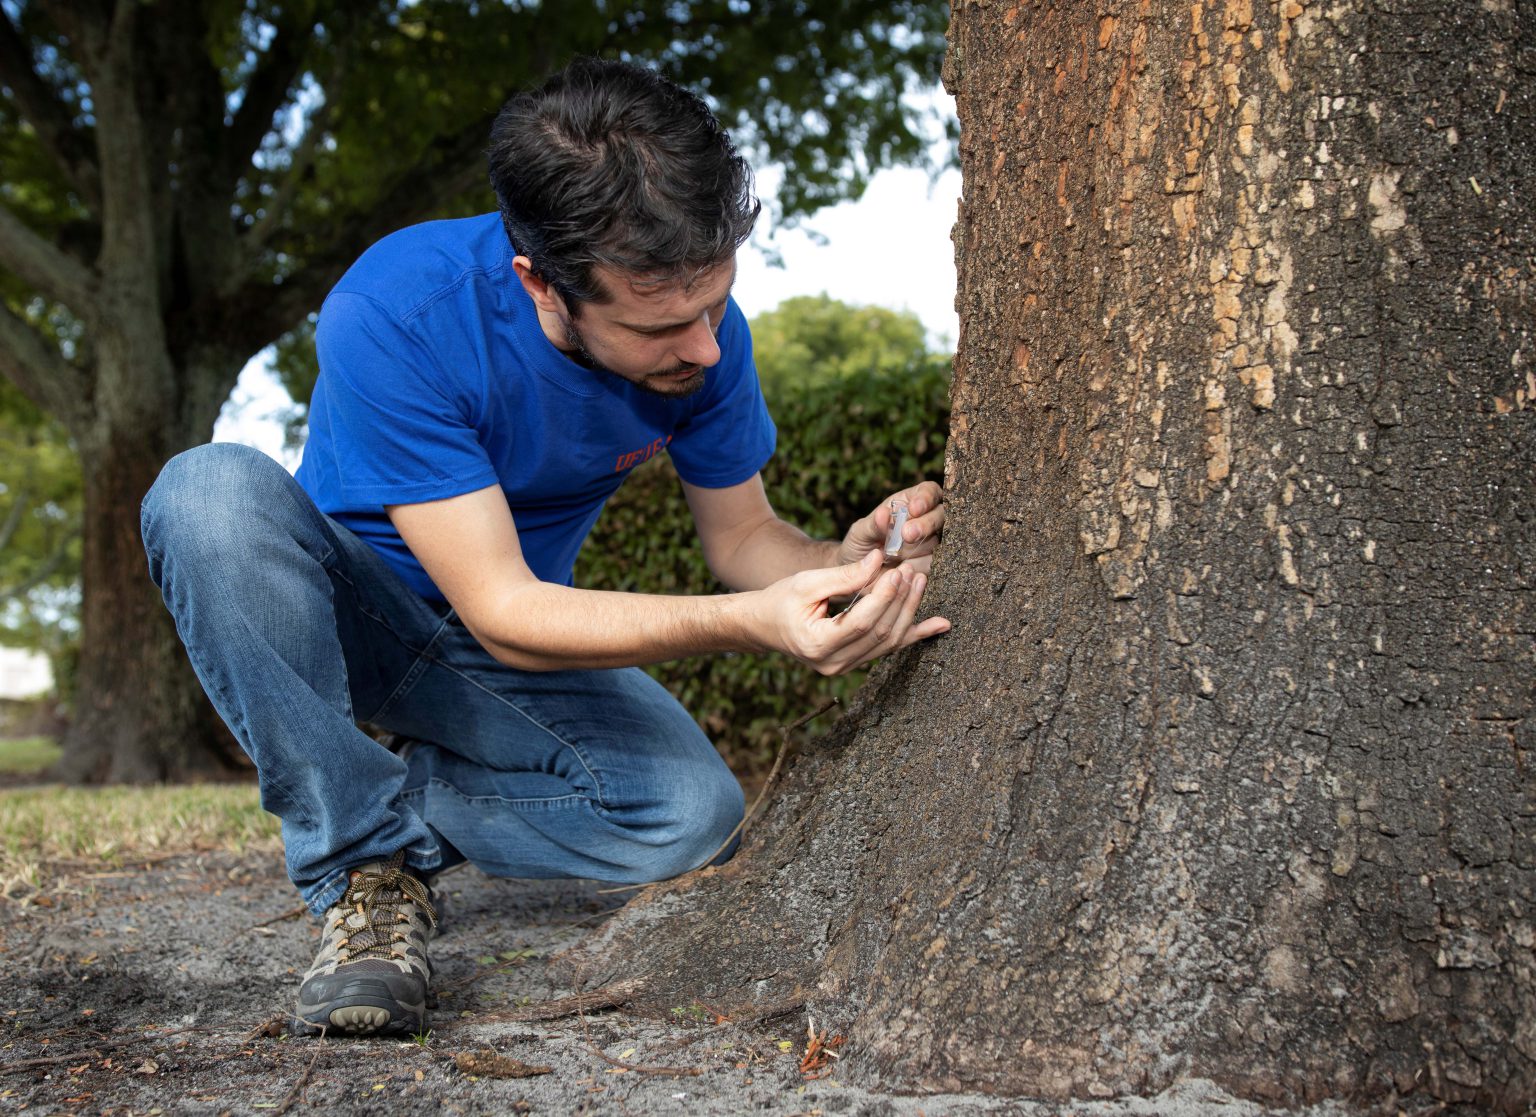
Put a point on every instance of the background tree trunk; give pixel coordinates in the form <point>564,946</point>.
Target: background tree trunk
<point>142,715</point>
<point>1222,772</point>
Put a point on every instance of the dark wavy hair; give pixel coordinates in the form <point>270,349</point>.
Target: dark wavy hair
<point>612,164</point>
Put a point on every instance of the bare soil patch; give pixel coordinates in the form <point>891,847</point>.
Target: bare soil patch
<point>163,987</point>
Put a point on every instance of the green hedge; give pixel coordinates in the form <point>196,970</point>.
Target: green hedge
<point>843,447</point>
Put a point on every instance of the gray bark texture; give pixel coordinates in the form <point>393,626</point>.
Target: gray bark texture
<point>140,714</point>
<point>1223,772</point>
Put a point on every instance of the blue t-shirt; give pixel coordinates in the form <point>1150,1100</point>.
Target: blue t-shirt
<point>436,379</point>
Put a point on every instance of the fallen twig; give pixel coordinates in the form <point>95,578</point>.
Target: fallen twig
<point>727,1024</point>
<point>291,913</point>
<point>90,1056</point>
<point>610,996</point>
<point>675,1072</point>
<point>298,1087</point>
<point>595,916</point>
<point>485,971</point>
<point>820,1049</point>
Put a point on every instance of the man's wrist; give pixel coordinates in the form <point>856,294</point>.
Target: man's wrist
<point>742,622</point>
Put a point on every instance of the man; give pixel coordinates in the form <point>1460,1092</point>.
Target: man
<point>485,386</point>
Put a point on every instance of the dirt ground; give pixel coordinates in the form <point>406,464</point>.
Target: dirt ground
<point>160,988</point>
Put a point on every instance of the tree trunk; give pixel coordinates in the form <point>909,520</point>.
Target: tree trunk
<point>1222,773</point>
<point>141,714</point>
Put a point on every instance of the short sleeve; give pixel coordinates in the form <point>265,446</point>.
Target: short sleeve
<point>400,415</point>
<point>730,436</point>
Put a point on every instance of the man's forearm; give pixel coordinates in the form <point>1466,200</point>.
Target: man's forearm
<point>538,626</point>
<point>774,550</point>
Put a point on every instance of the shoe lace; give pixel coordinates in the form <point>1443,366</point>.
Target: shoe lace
<point>378,897</point>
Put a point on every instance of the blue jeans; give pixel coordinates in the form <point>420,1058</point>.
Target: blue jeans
<point>299,630</point>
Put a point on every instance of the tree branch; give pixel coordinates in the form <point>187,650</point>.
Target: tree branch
<point>49,117</point>
<point>13,518</point>
<point>265,92</point>
<point>40,575</point>
<point>55,274</point>
<point>260,311</point>
<point>130,252</point>
<point>41,372</point>
<point>276,207</point>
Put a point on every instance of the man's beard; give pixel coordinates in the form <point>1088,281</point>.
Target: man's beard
<point>657,383</point>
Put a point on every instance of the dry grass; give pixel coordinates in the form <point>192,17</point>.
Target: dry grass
<point>47,830</point>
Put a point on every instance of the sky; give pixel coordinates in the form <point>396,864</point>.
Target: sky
<point>891,248</point>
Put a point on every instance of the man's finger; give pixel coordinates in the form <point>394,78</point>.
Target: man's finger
<point>926,630</point>
<point>914,630</point>
<point>861,616</point>
<point>924,527</point>
<point>842,581</point>
<point>895,627</point>
<point>924,498</point>
<point>890,632</point>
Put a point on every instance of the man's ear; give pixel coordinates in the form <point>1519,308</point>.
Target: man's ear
<point>544,296</point>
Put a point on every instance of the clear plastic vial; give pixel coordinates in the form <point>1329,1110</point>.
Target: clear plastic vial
<point>893,541</point>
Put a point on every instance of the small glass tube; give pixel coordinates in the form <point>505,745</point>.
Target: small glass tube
<point>894,541</point>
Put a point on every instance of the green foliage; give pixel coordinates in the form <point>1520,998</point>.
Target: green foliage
<point>815,338</point>
<point>844,445</point>
<point>288,136</point>
<point>40,510</point>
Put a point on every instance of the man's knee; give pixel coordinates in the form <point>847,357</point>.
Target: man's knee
<point>702,814</point>
<point>197,482</point>
<point>210,499</point>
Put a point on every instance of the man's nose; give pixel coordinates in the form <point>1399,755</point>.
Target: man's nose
<point>698,346</point>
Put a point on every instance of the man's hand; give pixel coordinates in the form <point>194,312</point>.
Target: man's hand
<point>925,510</point>
<point>797,614</point>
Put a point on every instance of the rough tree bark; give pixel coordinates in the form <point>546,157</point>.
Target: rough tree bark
<point>133,671</point>
<point>1222,773</point>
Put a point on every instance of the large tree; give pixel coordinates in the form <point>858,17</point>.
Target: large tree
<point>1224,771</point>
<point>184,181</point>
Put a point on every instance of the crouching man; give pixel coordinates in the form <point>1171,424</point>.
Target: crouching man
<point>485,385</point>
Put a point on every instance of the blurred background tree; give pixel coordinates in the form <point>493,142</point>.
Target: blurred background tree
<point>815,339</point>
<point>182,183</point>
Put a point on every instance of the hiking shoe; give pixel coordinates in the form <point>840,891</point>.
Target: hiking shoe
<point>371,975</point>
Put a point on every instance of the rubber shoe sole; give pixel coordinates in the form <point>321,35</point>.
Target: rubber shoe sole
<point>362,1006</point>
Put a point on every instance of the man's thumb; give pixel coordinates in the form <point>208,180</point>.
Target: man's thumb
<point>836,581</point>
